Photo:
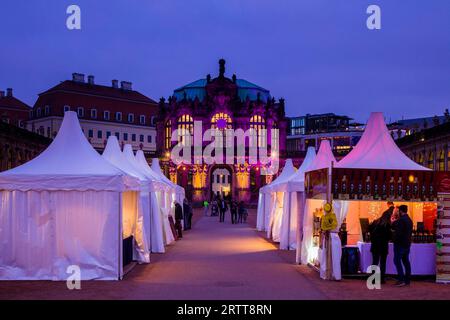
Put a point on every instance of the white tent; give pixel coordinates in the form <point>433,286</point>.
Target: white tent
<point>161,231</point>
<point>267,201</point>
<point>375,150</point>
<point>141,228</point>
<point>323,159</point>
<point>292,191</point>
<point>179,191</point>
<point>162,196</point>
<point>67,207</point>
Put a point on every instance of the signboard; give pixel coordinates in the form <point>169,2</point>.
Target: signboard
<point>443,228</point>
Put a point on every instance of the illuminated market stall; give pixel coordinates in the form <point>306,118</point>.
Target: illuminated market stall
<point>358,188</point>
<point>67,207</point>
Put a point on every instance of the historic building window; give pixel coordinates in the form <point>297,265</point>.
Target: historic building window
<point>105,115</point>
<point>258,123</point>
<point>99,134</point>
<point>431,160</point>
<point>94,113</point>
<point>46,110</point>
<point>185,128</point>
<point>118,116</point>
<point>80,111</point>
<point>142,119</point>
<point>125,136</point>
<point>448,160</point>
<point>66,108</point>
<point>131,117</point>
<point>441,161</point>
<point>221,121</point>
<point>168,134</point>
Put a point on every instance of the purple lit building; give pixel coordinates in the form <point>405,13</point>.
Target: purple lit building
<point>220,103</point>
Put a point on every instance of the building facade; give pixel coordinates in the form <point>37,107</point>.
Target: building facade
<point>429,147</point>
<point>310,130</point>
<point>221,103</point>
<point>12,110</point>
<point>18,145</point>
<point>102,111</point>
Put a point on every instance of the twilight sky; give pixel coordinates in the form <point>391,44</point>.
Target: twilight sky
<point>317,54</point>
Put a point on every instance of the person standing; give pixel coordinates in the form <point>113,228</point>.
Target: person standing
<point>233,210</point>
<point>380,234</point>
<point>178,218</point>
<point>402,231</point>
<point>241,211</point>
<point>389,210</point>
<point>187,213</point>
<point>205,208</point>
<point>222,208</point>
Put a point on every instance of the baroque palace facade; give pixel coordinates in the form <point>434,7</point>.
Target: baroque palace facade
<point>220,103</point>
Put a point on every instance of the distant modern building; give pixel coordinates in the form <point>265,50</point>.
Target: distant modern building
<point>220,103</point>
<point>318,123</point>
<point>429,147</point>
<point>12,110</point>
<point>102,110</point>
<point>310,130</point>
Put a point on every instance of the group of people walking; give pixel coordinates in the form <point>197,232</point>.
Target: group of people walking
<point>395,225</point>
<point>220,206</point>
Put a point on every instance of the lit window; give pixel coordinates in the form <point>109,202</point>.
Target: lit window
<point>168,134</point>
<point>431,160</point>
<point>441,161</point>
<point>105,115</point>
<point>221,121</point>
<point>258,123</point>
<point>130,117</point>
<point>185,128</point>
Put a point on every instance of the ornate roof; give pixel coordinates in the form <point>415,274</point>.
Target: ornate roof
<point>197,89</point>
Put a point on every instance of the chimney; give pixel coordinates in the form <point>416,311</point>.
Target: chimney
<point>9,92</point>
<point>91,79</point>
<point>115,83</point>
<point>78,77</point>
<point>2,94</point>
<point>125,85</point>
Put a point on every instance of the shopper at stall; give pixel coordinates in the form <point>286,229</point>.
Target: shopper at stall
<point>178,218</point>
<point>380,235</point>
<point>390,209</point>
<point>402,232</point>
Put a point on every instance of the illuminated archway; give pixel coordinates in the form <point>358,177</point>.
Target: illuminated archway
<point>221,121</point>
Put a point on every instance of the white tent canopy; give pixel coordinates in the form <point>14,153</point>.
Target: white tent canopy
<point>69,163</point>
<point>295,182</point>
<point>287,172</point>
<point>324,157</point>
<point>377,150</point>
<point>65,207</point>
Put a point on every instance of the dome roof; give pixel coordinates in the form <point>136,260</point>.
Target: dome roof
<point>245,89</point>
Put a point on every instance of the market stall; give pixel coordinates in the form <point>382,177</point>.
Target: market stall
<point>358,188</point>
<point>163,194</point>
<point>68,206</point>
<point>274,212</point>
<point>292,190</point>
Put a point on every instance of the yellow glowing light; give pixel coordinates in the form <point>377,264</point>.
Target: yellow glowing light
<point>411,178</point>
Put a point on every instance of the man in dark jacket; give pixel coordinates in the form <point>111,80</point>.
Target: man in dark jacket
<point>380,234</point>
<point>389,210</point>
<point>402,228</point>
<point>178,218</point>
<point>187,214</point>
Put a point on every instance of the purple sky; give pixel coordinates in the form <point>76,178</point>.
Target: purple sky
<point>317,54</point>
